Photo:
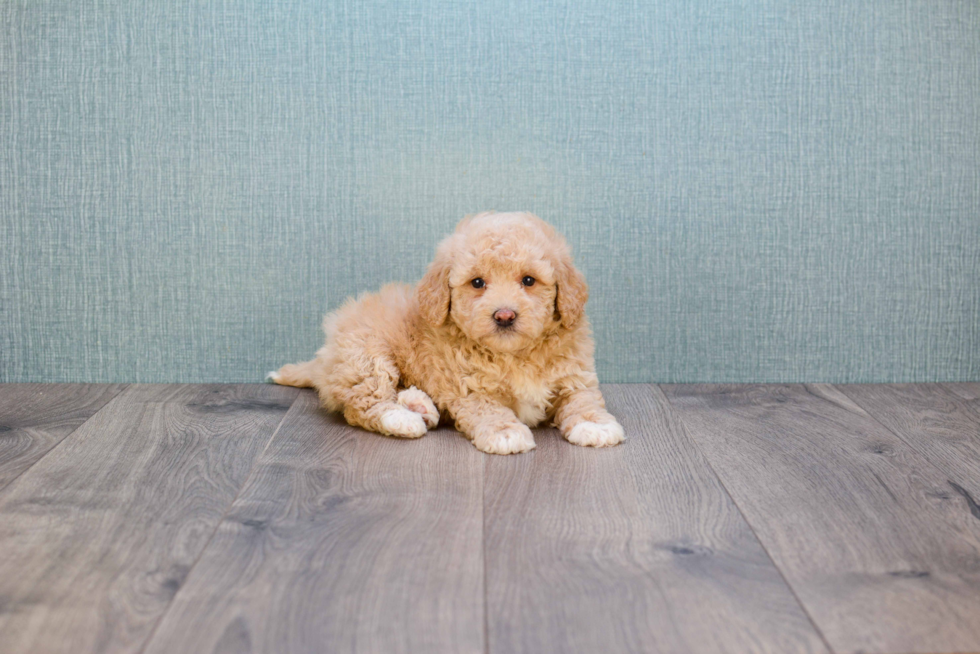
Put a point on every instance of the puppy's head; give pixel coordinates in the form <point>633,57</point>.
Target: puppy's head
<point>506,280</point>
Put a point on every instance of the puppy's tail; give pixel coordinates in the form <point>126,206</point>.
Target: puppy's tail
<point>294,374</point>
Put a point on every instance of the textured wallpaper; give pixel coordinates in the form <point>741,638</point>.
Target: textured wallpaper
<point>780,190</point>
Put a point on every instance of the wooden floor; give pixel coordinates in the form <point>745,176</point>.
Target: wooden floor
<point>240,518</point>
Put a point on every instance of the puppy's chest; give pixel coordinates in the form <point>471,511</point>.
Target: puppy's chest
<point>529,398</point>
<point>528,391</point>
<point>531,403</point>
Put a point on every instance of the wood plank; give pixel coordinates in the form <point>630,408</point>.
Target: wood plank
<point>636,548</point>
<point>862,526</point>
<point>97,537</point>
<point>342,541</point>
<point>940,425</point>
<point>36,417</point>
<point>966,390</point>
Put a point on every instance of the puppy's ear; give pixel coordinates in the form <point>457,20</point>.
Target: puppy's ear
<point>573,291</point>
<point>433,291</point>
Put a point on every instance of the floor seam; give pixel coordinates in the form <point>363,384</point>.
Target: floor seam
<point>918,453</point>
<point>217,526</point>
<point>946,387</point>
<point>122,391</point>
<point>689,433</point>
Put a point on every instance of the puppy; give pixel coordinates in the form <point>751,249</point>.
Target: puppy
<point>494,337</point>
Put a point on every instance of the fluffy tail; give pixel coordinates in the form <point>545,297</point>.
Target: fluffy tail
<point>294,374</point>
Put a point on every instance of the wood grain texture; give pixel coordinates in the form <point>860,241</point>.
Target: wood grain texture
<point>636,548</point>
<point>966,390</point>
<point>937,423</point>
<point>342,541</point>
<point>36,417</point>
<point>865,529</point>
<point>97,537</point>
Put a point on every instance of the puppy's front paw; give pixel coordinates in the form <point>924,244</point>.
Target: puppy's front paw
<point>403,423</point>
<point>510,438</point>
<point>595,434</point>
<point>418,401</point>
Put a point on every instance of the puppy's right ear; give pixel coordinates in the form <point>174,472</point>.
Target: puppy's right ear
<point>573,291</point>
<point>433,291</point>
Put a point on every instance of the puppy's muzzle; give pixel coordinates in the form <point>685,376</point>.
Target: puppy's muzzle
<point>504,317</point>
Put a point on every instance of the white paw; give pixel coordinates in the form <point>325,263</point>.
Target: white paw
<point>272,377</point>
<point>403,423</point>
<point>512,439</point>
<point>418,401</point>
<point>595,434</point>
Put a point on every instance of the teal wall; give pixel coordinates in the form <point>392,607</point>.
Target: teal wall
<point>780,190</point>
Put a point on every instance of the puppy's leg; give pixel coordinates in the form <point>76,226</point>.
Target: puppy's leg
<point>492,427</point>
<point>392,420</point>
<point>373,405</point>
<point>418,401</point>
<point>364,385</point>
<point>583,420</point>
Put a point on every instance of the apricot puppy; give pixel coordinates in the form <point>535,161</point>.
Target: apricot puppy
<point>494,337</point>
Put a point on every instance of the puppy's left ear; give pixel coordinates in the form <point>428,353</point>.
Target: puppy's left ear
<point>432,292</point>
<point>573,291</point>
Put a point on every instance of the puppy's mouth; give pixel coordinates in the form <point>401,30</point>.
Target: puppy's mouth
<point>505,329</point>
<point>504,338</point>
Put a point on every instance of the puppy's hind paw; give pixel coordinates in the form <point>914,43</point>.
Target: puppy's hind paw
<point>418,401</point>
<point>595,434</point>
<point>402,423</point>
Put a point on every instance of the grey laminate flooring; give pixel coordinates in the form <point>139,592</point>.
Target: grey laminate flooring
<point>242,518</point>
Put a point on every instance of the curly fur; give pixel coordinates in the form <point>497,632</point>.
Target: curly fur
<point>395,360</point>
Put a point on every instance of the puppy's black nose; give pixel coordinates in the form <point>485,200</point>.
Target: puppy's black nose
<point>504,317</point>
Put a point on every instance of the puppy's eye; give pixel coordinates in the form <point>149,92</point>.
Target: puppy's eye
<point>528,280</point>
<point>478,283</point>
